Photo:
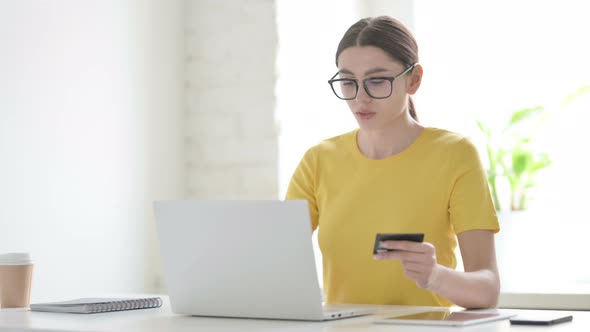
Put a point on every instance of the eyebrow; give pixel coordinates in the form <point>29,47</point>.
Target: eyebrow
<point>368,72</point>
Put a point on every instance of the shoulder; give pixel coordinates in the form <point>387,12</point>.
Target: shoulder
<point>334,144</point>
<point>328,150</point>
<point>452,142</point>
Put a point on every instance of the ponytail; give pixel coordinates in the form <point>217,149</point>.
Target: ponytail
<point>412,109</point>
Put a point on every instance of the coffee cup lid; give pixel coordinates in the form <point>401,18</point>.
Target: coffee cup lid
<point>15,258</point>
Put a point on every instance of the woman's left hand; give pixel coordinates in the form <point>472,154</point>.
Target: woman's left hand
<point>417,259</point>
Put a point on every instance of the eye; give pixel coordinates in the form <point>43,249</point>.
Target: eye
<point>376,81</point>
<point>347,83</point>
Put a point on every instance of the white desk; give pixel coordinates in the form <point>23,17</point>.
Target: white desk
<point>162,320</point>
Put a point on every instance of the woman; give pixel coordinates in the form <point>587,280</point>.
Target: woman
<point>393,175</point>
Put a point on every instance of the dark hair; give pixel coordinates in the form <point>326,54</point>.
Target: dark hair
<point>388,34</point>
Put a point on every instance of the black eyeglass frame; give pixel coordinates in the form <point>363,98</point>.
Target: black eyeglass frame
<point>388,78</point>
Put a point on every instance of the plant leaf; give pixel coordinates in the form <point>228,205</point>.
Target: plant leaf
<point>585,89</point>
<point>524,114</point>
<point>521,160</point>
<point>540,163</point>
<point>487,132</point>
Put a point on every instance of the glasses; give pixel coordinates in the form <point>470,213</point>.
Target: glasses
<point>376,87</point>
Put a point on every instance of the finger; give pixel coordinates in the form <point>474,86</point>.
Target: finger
<point>404,256</point>
<point>418,278</point>
<point>413,275</point>
<point>414,267</point>
<point>391,255</point>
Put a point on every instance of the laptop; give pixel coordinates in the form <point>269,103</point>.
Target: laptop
<point>239,258</point>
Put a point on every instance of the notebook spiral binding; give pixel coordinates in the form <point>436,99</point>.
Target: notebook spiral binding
<point>120,305</point>
<point>96,305</point>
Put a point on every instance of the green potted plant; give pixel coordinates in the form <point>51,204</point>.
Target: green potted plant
<point>514,161</point>
<point>511,155</point>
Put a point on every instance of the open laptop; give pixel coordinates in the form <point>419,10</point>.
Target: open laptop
<point>250,259</point>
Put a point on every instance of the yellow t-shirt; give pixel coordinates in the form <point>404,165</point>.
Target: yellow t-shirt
<point>437,186</point>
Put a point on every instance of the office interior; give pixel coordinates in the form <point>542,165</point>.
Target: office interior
<point>108,106</point>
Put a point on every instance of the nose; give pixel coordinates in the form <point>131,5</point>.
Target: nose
<point>362,96</point>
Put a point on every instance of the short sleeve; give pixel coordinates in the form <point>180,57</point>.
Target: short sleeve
<point>471,206</point>
<point>303,184</point>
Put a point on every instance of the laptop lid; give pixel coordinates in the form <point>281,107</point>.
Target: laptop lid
<point>239,258</point>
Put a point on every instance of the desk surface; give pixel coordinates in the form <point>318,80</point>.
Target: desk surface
<point>163,320</point>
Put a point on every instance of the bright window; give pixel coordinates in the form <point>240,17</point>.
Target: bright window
<point>483,60</point>
<point>486,59</point>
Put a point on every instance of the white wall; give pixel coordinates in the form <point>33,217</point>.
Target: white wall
<point>90,134</point>
<point>107,106</point>
<point>232,140</point>
<point>307,109</point>
<point>402,10</point>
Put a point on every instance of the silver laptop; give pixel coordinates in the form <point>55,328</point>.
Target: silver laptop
<point>249,259</point>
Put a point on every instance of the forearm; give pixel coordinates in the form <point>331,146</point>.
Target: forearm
<point>478,289</point>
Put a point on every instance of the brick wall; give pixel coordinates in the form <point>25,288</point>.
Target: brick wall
<point>231,133</point>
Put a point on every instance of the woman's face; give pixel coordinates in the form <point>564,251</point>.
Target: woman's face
<point>362,62</point>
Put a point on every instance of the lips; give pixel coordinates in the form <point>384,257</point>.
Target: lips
<point>364,115</point>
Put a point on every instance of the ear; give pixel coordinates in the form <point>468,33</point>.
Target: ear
<point>414,79</point>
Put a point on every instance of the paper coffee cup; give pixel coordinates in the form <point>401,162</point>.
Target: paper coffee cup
<point>16,272</point>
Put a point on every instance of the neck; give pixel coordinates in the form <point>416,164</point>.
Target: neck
<point>385,142</point>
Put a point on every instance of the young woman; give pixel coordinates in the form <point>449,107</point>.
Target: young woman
<point>393,175</point>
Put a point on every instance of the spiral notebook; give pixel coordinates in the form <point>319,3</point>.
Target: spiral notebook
<point>96,305</point>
